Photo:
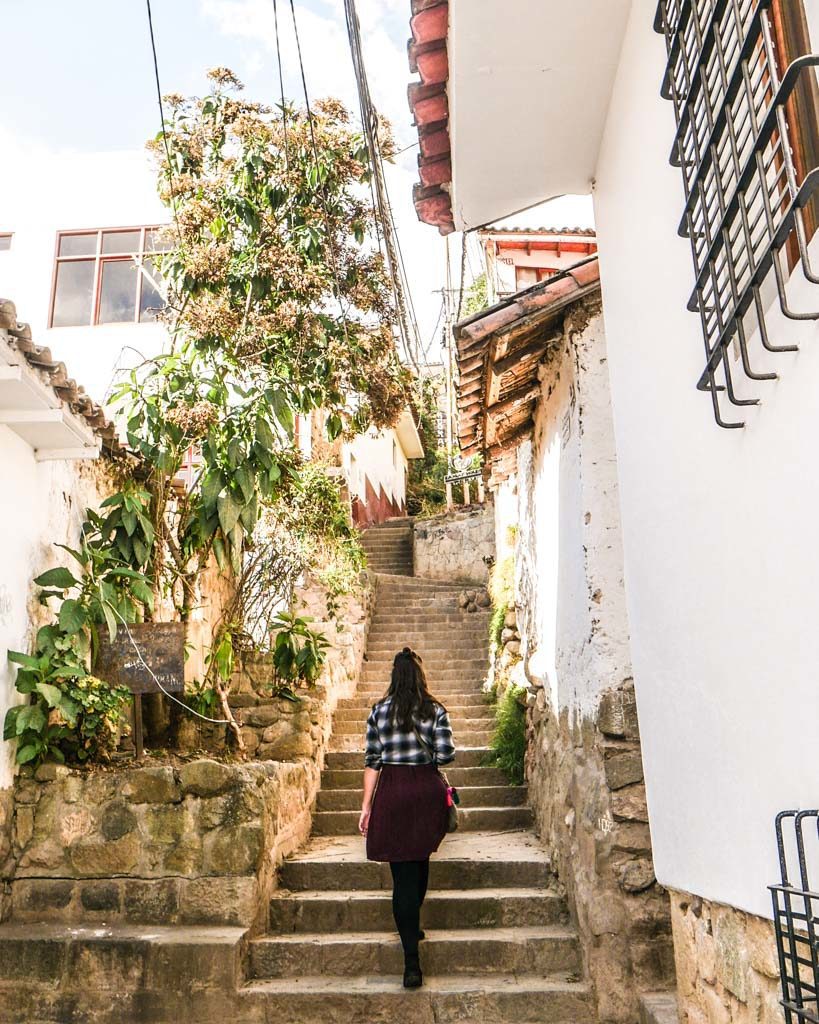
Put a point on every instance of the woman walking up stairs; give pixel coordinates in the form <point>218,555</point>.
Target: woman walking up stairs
<point>498,946</point>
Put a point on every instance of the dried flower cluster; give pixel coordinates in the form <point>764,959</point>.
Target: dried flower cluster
<point>273,266</point>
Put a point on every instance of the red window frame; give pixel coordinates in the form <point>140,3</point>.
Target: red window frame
<point>98,258</point>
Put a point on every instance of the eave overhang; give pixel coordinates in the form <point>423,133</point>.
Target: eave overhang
<point>45,407</point>
<point>511,103</point>
<point>499,351</point>
<point>408,436</point>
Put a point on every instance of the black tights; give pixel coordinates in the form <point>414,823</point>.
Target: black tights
<point>409,880</point>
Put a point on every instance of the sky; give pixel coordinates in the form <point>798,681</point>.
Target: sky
<point>83,81</point>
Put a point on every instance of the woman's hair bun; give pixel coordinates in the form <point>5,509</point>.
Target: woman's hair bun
<point>407,651</point>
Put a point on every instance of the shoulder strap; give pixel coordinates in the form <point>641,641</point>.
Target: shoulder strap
<point>424,745</point>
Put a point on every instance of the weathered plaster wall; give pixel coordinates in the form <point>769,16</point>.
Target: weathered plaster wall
<point>41,505</point>
<point>583,753</point>
<point>455,545</point>
<point>727,968</point>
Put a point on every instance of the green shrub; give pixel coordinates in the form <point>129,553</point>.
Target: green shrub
<point>496,624</point>
<point>508,745</point>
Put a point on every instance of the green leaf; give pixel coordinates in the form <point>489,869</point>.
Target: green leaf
<point>72,616</point>
<point>142,592</point>
<point>10,723</point>
<point>245,479</point>
<point>219,551</point>
<point>110,620</point>
<point>31,717</point>
<point>27,753</point>
<point>129,521</point>
<point>264,435</point>
<point>52,694</point>
<point>60,578</point>
<point>229,510</point>
<point>25,660</point>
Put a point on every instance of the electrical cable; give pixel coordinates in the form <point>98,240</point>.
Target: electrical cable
<point>281,83</point>
<point>162,116</point>
<point>330,240</point>
<point>407,317</point>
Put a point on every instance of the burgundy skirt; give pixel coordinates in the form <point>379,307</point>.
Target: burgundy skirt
<point>409,814</point>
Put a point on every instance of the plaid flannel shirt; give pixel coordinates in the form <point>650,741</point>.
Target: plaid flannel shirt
<point>387,744</point>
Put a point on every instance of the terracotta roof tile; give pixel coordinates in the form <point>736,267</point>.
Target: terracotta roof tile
<point>499,350</point>
<point>428,102</point>
<point>54,374</point>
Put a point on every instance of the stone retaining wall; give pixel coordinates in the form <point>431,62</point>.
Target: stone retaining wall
<point>194,844</point>
<point>727,968</point>
<point>586,788</point>
<point>279,729</point>
<point>456,545</point>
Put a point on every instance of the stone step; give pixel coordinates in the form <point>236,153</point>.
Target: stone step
<point>474,712</point>
<point>465,999</point>
<point>371,910</point>
<point>461,777</point>
<point>451,647</point>
<point>441,661</point>
<point>471,819</point>
<point>466,702</point>
<point>70,956</point>
<point>471,796</point>
<point>346,726</point>
<point>543,951</point>
<point>340,760</point>
<point>353,740</point>
<point>466,860</point>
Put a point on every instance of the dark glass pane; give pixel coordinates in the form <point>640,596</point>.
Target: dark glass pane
<point>73,294</point>
<point>158,240</point>
<point>5,242</point>
<point>151,302</point>
<point>78,245</point>
<point>117,292</point>
<point>120,242</point>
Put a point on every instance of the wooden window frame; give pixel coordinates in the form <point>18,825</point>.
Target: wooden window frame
<point>791,33</point>
<point>98,257</point>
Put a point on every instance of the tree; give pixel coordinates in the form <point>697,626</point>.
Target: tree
<point>277,303</point>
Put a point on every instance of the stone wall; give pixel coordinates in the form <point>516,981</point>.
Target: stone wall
<point>279,729</point>
<point>583,752</point>
<point>727,967</point>
<point>196,843</point>
<point>456,545</point>
<point>189,842</point>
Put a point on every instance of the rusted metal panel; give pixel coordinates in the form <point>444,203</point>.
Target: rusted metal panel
<point>142,654</point>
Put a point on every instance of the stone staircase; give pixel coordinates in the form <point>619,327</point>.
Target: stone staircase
<point>389,547</point>
<point>499,947</point>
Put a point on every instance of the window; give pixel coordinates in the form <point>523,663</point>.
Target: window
<point>743,86</point>
<point>5,241</point>
<point>106,277</point>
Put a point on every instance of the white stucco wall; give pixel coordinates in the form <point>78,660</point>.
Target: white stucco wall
<point>69,192</point>
<point>41,504</point>
<point>378,455</point>
<point>719,526</point>
<point>569,551</point>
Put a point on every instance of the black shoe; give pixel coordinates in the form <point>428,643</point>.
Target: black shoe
<point>413,978</point>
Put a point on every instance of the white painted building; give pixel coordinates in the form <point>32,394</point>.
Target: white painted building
<point>546,98</point>
<point>67,247</point>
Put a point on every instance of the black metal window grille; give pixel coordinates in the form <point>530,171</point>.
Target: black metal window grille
<point>796,917</point>
<point>743,201</point>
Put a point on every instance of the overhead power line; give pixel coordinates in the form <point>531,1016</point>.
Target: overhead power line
<point>405,309</point>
